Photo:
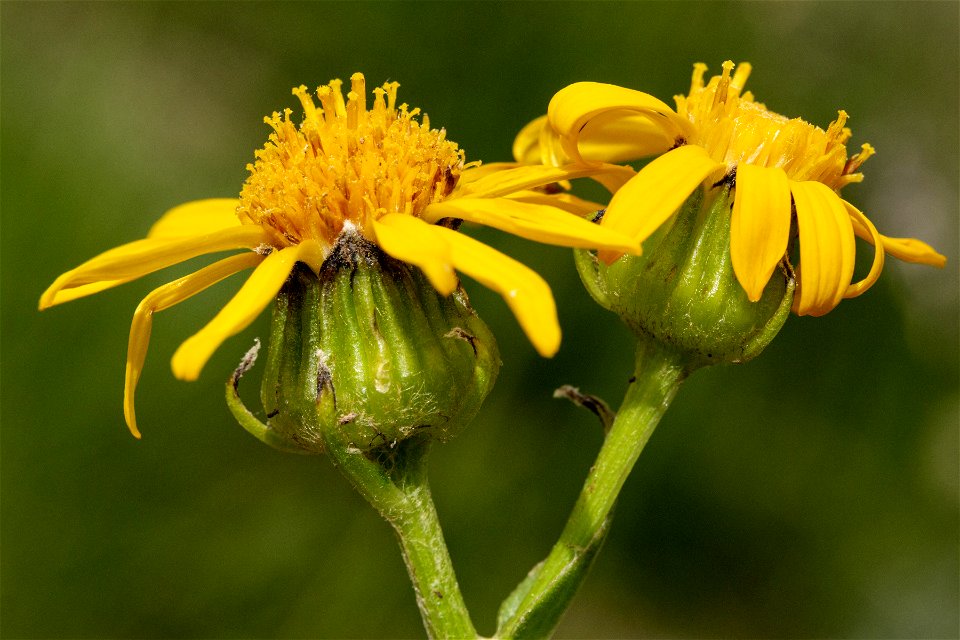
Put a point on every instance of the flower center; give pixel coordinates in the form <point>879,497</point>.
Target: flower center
<point>733,128</point>
<point>346,163</point>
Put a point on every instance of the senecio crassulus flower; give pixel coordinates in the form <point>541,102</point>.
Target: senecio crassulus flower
<point>786,173</point>
<point>347,168</point>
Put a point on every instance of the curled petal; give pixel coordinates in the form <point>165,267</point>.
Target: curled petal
<point>827,248</point>
<point>759,226</point>
<point>618,136</point>
<point>197,218</point>
<point>525,292</point>
<point>257,292</point>
<point>864,229</point>
<point>575,105</point>
<point>543,223</point>
<point>654,194</point>
<point>162,298</point>
<point>135,259</point>
<point>414,241</point>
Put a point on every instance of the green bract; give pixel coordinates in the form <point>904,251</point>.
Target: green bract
<point>370,353</point>
<point>682,291</point>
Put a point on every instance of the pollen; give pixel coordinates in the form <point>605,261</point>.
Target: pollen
<point>346,163</point>
<point>735,129</point>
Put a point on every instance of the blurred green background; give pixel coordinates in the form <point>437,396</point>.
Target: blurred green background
<point>810,493</point>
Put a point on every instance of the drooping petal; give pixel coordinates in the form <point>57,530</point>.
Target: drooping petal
<point>654,194</point>
<point>412,240</point>
<point>864,229</point>
<point>136,259</point>
<point>197,218</point>
<point>501,183</point>
<point>575,105</point>
<point>827,248</point>
<point>257,292</point>
<point>543,223</point>
<point>913,250</point>
<point>162,298</point>
<point>759,226</point>
<point>526,293</point>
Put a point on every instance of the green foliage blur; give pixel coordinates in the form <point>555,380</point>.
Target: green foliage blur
<point>810,493</point>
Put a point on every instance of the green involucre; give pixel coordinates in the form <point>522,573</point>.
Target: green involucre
<point>682,291</point>
<point>369,350</point>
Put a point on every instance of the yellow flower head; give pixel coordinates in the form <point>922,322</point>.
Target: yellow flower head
<point>311,179</point>
<point>787,175</point>
<point>348,168</point>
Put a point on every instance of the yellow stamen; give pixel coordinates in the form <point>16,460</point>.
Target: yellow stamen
<point>735,129</point>
<point>346,163</point>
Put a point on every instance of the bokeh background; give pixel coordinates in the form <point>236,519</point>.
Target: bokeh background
<point>810,493</point>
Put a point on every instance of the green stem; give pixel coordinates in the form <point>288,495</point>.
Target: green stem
<point>535,609</point>
<point>396,485</point>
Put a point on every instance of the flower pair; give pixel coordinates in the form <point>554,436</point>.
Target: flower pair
<point>378,171</point>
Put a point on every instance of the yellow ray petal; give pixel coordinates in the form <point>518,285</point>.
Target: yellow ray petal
<point>650,198</point>
<point>526,293</point>
<point>617,136</point>
<point>162,298</point>
<point>863,228</point>
<point>759,226</point>
<point>538,143</point>
<point>84,290</point>
<point>474,173</point>
<point>414,241</point>
<point>913,250</point>
<point>197,218</point>
<point>542,223</point>
<point>564,201</point>
<point>526,146</point>
<point>575,105</point>
<point>135,259</point>
<point>502,183</point>
<point>552,148</point>
<point>257,292</point>
<point>827,248</point>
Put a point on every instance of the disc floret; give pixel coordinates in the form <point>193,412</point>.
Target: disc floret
<point>735,129</point>
<point>346,162</point>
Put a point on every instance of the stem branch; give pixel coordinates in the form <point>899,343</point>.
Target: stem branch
<point>547,591</point>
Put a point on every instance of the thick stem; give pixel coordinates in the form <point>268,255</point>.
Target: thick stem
<point>396,485</point>
<point>546,594</point>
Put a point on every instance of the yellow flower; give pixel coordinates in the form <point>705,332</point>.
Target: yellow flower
<point>347,166</point>
<point>787,175</point>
